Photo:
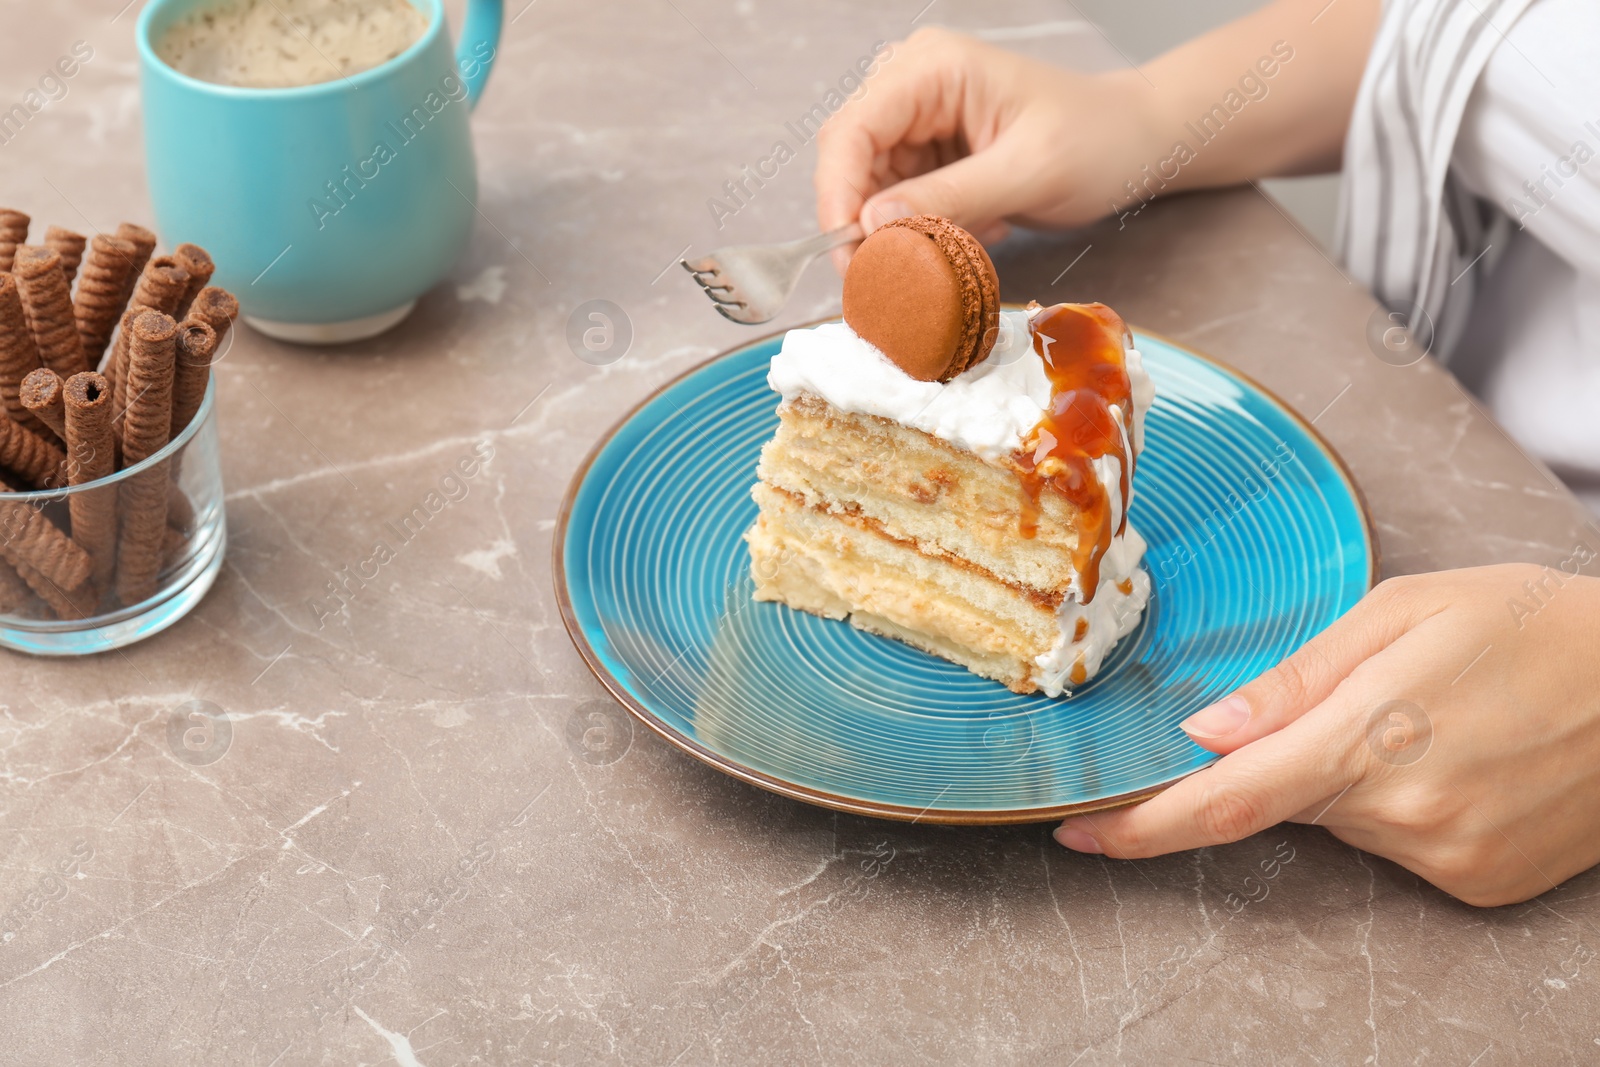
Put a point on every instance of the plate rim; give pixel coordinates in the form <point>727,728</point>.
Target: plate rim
<point>852,805</point>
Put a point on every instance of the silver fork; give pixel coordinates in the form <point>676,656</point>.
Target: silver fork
<point>751,283</point>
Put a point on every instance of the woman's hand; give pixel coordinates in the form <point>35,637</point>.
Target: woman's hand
<point>955,127</point>
<point>1449,722</point>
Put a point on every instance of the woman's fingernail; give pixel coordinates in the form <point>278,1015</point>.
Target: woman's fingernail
<point>1077,840</point>
<point>887,210</point>
<point>1219,720</point>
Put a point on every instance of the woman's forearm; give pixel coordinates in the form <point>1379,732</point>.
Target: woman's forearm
<point>1268,94</point>
<point>954,126</point>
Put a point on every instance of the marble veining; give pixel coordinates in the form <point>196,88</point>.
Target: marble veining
<point>426,837</point>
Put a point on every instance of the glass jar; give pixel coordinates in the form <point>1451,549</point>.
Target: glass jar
<point>43,612</point>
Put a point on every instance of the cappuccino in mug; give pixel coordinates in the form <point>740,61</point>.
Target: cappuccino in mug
<point>277,44</point>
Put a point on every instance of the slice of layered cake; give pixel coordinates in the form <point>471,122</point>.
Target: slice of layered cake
<point>953,474</point>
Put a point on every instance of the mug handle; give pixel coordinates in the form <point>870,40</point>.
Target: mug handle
<point>480,38</point>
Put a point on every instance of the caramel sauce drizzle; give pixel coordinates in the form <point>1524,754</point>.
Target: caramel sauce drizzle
<point>1082,348</point>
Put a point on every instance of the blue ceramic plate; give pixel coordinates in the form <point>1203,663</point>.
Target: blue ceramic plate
<point>1258,540</point>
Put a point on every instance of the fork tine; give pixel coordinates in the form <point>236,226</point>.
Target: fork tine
<point>725,287</point>
<point>750,283</point>
<point>722,294</point>
<point>729,297</point>
<point>706,281</point>
<point>731,314</point>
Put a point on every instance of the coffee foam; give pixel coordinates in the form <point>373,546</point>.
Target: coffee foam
<point>276,44</point>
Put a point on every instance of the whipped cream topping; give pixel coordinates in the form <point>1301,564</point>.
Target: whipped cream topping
<point>991,409</point>
<point>987,410</point>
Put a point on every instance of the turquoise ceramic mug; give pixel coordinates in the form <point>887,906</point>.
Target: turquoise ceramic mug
<point>328,208</point>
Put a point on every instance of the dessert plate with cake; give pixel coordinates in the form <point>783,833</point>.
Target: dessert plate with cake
<point>949,561</point>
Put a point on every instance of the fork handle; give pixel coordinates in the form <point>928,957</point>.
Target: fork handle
<point>820,243</point>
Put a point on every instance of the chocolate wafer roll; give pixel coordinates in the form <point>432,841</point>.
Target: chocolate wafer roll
<point>77,602</point>
<point>14,592</point>
<point>27,537</point>
<point>162,285</point>
<point>90,457</point>
<point>197,261</point>
<point>19,355</point>
<point>173,543</point>
<point>108,273</point>
<point>217,308</point>
<point>33,459</point>
<point>13,232</point>
<point>48,302</point>
<point>145,426</point>
<point>41,395</point>
<point>180,513</point>
<point>144,246</point>
<point>147,421</point>
<point>69,246</point>
<point>191,370</point>
<point>160,288</point>
<point>117,364</point>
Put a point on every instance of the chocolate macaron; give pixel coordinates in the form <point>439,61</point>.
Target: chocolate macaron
<point>924,293</point>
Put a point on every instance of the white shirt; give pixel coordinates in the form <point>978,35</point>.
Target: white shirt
<point>1408,226</point>
<point>1531,349</point>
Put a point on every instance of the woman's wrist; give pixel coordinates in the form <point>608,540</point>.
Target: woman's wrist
<point>1119,139</point>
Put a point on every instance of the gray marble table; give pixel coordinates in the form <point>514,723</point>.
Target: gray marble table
<point>406,852</point>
